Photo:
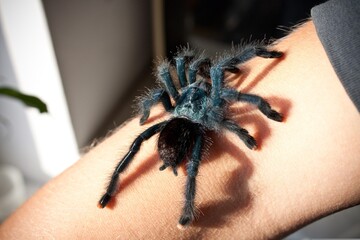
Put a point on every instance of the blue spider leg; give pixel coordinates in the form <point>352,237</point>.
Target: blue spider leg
<point>242,133</point>
<point>247,54</point>
<point>180,70</point>
<point>155,96</point>
<point>134,148</point>
<point>188,212</point>
<point>262,104</point>
<point>195,66</point>
<point>217,79</point>
<point>165,77</point>
<point>230,64</point>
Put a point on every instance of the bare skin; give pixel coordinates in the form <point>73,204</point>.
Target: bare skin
<point>305,168</point>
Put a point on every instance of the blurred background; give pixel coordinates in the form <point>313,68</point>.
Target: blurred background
<point>89,59</point>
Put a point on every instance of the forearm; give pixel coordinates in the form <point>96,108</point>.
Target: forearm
<point>305,167</point>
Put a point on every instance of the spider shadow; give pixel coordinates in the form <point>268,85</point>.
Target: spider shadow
<point>250,115</point>
<point>238,197</point>
<point>146,165</point>
<point>126,179</point>
<point>152,118</point>
<point>237,79</point>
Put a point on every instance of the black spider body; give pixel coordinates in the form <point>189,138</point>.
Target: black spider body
<point>176,140</point>
<point>201,105</point>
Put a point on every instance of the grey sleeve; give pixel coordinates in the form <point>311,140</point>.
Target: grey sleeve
<point>337,23</point>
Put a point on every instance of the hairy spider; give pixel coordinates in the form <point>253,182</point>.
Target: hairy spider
<point>200,105</point>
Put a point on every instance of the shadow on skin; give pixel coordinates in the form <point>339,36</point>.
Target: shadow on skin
<point>281,105</point>
<point>235,80</point>
<point>249,115</point>
<point>263,74</point>
<point>147,164</point>
<point>126,179</point>
<point>216,214</point>
<point>159,115</point>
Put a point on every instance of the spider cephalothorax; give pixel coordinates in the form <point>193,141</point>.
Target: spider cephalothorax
<point>199,105</point>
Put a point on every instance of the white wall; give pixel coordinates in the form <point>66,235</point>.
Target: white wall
<point>40,145</point>
<point>102,47</point>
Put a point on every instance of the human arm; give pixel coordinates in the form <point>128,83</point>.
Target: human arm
<point>306,167</point>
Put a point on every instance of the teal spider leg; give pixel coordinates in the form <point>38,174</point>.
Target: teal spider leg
<point>257,51</point>
<point>188,212</point>
<point>262,104</point>
<point>183,58</point>
<point>155,96</point>
<point>195,66</point>
<point>165,78</point>
<point>247,54</point>
<point>230,64</point>
<point>217,78</point>
<point>134,148</point>
<point>180,70</point>
<point>242,133</point>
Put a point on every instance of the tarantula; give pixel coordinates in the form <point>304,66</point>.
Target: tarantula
<point>199,105</point>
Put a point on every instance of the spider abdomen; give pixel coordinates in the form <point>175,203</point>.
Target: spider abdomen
<point>176,141</point>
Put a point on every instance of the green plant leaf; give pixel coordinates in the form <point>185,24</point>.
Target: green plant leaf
<point>28,100</point>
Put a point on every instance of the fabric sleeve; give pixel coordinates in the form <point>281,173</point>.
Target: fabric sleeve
<point>337,23</point>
